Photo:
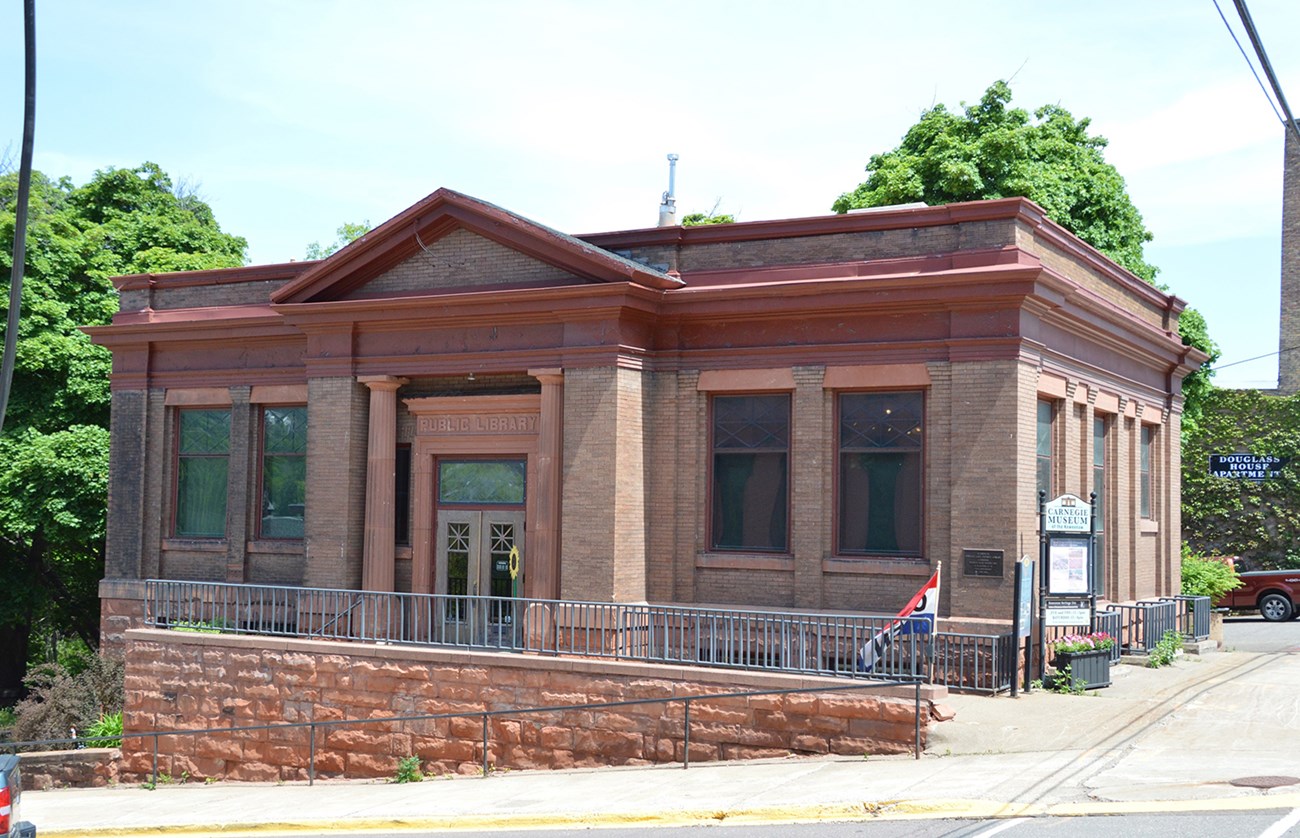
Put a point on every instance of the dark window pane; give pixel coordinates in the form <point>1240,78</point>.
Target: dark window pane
<point>1144,481</point>
<point>749,501</point>
<point>402,496</point>
<point>751,443</point>
<point>481,481</point>
<point>881,442</point>
<point>201,467</point>
<point>1044,448</point>
<point>284,492</point>
<point>201,497</point>
<point>284,472</point>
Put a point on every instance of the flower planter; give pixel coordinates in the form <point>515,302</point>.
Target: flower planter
<point>1088,670</point>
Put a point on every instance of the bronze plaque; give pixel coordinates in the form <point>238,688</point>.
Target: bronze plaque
<point>982,563</point>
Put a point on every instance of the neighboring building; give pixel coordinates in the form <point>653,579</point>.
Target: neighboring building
<point>1288,359</point>
<point>802,413</point>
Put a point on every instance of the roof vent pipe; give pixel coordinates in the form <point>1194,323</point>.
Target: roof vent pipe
<point>668,209</point>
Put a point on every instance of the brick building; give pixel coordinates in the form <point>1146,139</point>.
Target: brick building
<point>807,413</point>
<point>1288,359</point>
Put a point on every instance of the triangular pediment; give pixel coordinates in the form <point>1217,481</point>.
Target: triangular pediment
<point>452,243</point>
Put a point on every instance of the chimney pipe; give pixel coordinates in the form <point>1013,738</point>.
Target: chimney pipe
<point>668,209</point>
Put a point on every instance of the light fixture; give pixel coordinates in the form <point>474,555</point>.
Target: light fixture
<point>471,376</point>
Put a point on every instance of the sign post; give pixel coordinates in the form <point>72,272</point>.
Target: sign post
<point>1067,537</point>
<point>1022,627</point>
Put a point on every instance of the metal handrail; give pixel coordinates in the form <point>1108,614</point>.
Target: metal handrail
<point>13,747</point>
<point>894,648</point>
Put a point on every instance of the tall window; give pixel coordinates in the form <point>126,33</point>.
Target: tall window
<point>1099,486</point>
<point>1045,448</point>
<point>881,454</point>
<point>202,464</point>
<point>751,463</point>
<point>284,471</point>
<point>402,495</point>
<point>1144,474</point>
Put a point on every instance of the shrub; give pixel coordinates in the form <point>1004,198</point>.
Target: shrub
<point>108,726</point>
<point>1208,576</point>
<point>58,701</point>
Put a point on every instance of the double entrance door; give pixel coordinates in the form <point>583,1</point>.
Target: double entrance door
<point>480,547</point>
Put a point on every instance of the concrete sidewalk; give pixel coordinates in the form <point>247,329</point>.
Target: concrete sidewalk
<point>1166,739</point>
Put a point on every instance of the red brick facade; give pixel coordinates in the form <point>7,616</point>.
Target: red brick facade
<point>984,308</point>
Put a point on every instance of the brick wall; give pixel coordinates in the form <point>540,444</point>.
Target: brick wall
<point>603,528</point>
<point>338,412</point>
<point>178,681</point>
<point>1289,362</point>
<point>460,260</point>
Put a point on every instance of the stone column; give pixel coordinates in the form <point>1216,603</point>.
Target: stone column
<point>542,575</point>
<point>381,471</point>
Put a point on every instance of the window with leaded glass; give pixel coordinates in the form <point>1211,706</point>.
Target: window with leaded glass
<point>1144,473</point>
<point>284,471</point>
<point>202,465</point>
<point>1099,486</point>
<point>1044,448</point>
<point>751,462</point>
<point>881,445</point>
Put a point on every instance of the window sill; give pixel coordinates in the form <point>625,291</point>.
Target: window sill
<point>195,545</point>
<point>403,552</point>
<point>1146,525</point>
<point>745,561</point>
<point>286,547</point>
<point>877,566</point>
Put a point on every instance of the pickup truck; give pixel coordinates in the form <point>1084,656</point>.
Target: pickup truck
<point>1274,593</point>
<point>11,792</point>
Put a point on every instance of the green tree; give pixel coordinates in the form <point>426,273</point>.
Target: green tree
<point>990,150</point>
<point>54,446</point>
<point>347,233</point>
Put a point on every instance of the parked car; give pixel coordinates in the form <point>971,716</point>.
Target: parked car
<point>11,792</point>
<point>1274,593</point>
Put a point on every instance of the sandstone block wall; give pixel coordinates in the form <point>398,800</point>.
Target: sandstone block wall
<point>195,681</point>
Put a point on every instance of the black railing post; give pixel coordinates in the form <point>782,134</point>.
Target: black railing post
<point>917,741</point>
<point>311,768</point>
<point>155,760</point>
<point>485,744</point>
<point>686,739</point>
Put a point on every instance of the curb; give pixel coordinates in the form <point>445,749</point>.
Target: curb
<point>960,809</point>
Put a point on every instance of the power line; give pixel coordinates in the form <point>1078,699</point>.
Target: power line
<point>1256,358</point>
<point>1249,63</point>
<point>1244,13</point>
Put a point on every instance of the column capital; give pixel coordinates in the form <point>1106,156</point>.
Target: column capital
<point>383,382</point>
<point>548,375</point>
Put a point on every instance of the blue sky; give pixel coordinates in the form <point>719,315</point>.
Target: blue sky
<point>295,117</point>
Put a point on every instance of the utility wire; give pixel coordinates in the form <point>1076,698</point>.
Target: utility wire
<point>1249,63</point>
<point>1256,358</point>
<point>20,213</point>
<point>1264,62</point>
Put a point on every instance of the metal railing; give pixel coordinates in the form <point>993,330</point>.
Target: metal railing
<point>1145,623</point>
<point>980,663</point>
<point>327,725</point>
<point>899,649</point>
<point>1193,616</point>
